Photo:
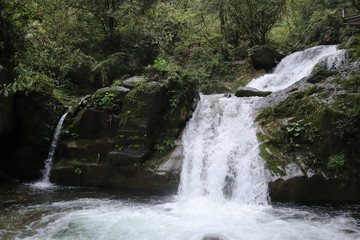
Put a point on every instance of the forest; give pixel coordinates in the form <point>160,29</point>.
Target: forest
<point>70,48</point>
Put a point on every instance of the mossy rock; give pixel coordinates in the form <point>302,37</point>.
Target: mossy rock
<point>110,98</point>
<point>145,101</point>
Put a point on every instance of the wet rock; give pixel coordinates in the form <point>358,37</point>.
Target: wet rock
<point>250,92</point>
<point>127,156</point>
<point>105,175</point>
<point>214,236</point>
<point>133,82</point>
<point>315,189</point>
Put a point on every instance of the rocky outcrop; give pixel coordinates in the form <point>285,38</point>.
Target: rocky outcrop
<point>251,92</point>
<point>315,189</point>
<point>313,125</point>
<point>119,135</point>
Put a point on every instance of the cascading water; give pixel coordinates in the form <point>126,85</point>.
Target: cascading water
<point>223,191</point>
<point>45,179</point>
<point>221,159</point>
<point>299,65</point>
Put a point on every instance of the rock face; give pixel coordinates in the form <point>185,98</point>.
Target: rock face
<point>314,125</point>
<point>118,136</point>
<point>251,92</point>
<point>315,189</point>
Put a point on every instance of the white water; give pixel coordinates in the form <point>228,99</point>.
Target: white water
<point>299,65</point>
<point>221,159</point>
<point>44,182</point>
<point>223,192</point>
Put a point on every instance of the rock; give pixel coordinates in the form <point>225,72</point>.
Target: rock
<point>127,156</point>
<point>119,91</point>
<point>214,236</point>
<point>250,92</point>
<point>145,102</point>
<point>107,147</point>
<point>105,175</point>
<point>133,82</point>
<point>266,58</point>
<point>92,123</point>
<point>227,95</point>
<point>315,190</point>
<point>172,164</point>
<point>219,87</point>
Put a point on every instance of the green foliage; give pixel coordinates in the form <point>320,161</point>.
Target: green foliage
<point>323,28</point>
<point>108,102</point>
<point>348,125</point>
<point>256,18</point>
<point>337,162</point>
<point>78,171</point>
<point>165,143</point>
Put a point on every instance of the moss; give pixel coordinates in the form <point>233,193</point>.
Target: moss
<point>272,163</point>
<point>351,84</point>
<point>319,75</point>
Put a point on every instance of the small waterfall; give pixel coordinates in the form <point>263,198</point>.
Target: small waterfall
<point>221,159</point>
<point>299,65</point>
<point>221,156</point>
<point>44,181</point>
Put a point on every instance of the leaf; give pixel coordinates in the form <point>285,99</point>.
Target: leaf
<point>6,93</point>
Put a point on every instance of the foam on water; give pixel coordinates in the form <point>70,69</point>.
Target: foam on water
<point>183,220</point>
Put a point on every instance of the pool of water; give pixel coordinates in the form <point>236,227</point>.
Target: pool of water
<point>27,212</point>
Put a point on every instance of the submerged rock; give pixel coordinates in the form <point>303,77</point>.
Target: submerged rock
<point>250,92</point>
<point>214,236</point>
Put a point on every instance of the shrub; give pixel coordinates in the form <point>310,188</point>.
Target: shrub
<point>336,162</point>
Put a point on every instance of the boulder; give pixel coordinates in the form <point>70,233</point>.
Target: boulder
<point>251,92</point>
<point>314,190</point>
<point>214,236</point>
<point>120,92</point>
<point>133,82</point>
<point>265,57</point>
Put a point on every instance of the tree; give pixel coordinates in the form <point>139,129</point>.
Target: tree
<point>256,17</point>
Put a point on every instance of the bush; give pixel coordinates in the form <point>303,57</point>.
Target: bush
<point>324,28</point>
<point>336,162</point>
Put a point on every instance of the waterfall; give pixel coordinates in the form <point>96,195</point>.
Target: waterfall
<point>44,181</point>
<point>299,65</point>
<point>221,156</point>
